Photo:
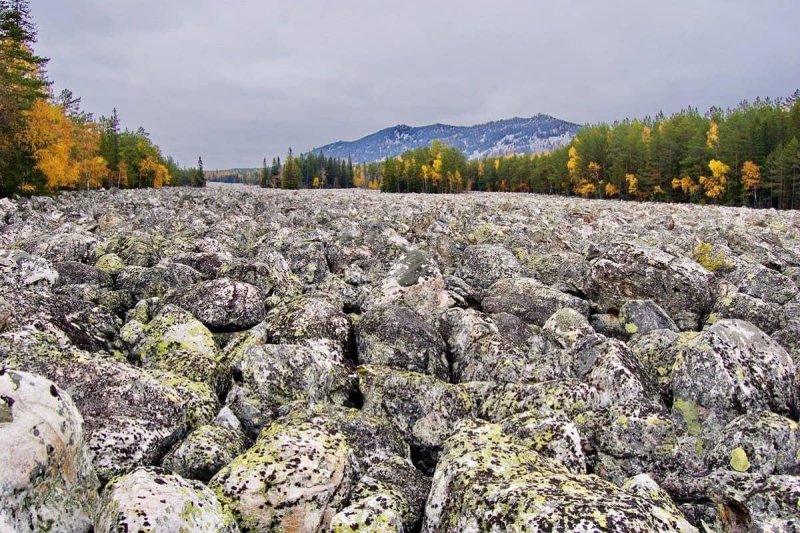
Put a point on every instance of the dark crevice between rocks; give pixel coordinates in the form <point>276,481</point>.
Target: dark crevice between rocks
<point>424,459</point>
<point>351,349</point>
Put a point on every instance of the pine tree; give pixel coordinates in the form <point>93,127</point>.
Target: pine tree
<point>291,172</point>
<point>264,175</point>
<point>21,84</point>
<point>199,177</point>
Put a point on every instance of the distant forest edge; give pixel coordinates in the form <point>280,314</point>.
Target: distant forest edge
<point>748,155</point>
<point>47,143</point>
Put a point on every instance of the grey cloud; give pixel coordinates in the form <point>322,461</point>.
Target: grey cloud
<point>240,80</point>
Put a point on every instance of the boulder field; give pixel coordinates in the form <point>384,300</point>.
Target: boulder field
<point>234,359</point>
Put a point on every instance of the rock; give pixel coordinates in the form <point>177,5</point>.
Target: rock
<point>529,300</point>
<point>207,263</point>
<point>88,326</point>
<point>269,376</point>
<point>174,341</point>
<point>482,265</point>
<point>205,451</point>
<point>111,264</point>
<point>414,281</point>
<point>567,326</point>
<point>310,321</point>
<point>765,316</point>
<point>767,285</point>
<point>789,338</point>
<point>20,269</point>
<point>296,477</point>
<point>134,248</point>
<point>628,271</point>
<point>46,478</point>
<point>397,337</point>
<point>124,427</point>
<point>479,352</point>
<point>554,436</point>
<point>64,247</point>
<point>758,443</point>
<point>150,500</point>
<point>609,366</point>
<point>497,401</point>
<point>657,351</point>
<point>642,316</point>
<point>271,274</point>
<point>74,273</point>
<point>731,369</point>
<point>609,325</point>
<point>513,328</point>
<point>156,281</point>
<point>487,481</point>
<point>423,408</point>
<point>222,304</point>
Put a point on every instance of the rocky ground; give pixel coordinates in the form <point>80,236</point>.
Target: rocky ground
<point>236,359</point>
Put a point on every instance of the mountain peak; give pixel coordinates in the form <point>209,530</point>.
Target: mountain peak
<point>539,133</point>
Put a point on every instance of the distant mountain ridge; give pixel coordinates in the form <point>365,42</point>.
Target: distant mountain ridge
<point>540,133</point>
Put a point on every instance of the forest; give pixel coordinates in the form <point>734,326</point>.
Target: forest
<point>48,143</point>
<point>748,155</point>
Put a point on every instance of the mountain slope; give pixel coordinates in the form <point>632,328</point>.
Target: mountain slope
<point>517,135</point>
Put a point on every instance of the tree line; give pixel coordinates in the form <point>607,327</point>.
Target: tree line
<point>748,155</point>
<point>48,143</point>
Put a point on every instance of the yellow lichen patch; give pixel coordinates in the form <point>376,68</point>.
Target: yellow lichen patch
<point>710,258</point>
<point>631,328</point>
<point>739,461</point>
<point>689,411</point>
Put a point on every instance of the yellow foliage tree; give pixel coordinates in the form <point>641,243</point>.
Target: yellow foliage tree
<point>612,190</point>
<point>585,189</point>
<point>154,172</point>
<point>751,177</point>
<point>716,185</point>
<point>50,136</point>
<point>315,182</point>
<point>712,135</point>
<point>685,184</point>
<point>573,162</point>
<point>633,183</point>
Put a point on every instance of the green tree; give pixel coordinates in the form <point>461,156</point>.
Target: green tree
<point>21,84</point>
<point>199,179</point>
<point>291,172</point>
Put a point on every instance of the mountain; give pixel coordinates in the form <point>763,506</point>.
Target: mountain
<point>541,133</point>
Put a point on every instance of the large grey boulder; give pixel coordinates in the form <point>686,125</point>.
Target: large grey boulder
<point>310,321</point>
<point>482,265</point>
<point>152,500</point>
<point>488,481</point>
<point>21,269</point>
<point>222,304</point>
<point>731,369</point>
<point>628,271</point>
<point>398,337</point>
<point>47,482</point>
<point>296,477</point>
<point>529,300</point>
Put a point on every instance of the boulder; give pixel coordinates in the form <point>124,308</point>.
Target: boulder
<point>488,481</point>
<point>20,269</point>
<point>269,376</point>
<point>222,304</point>
<point>399,338</point>
<point>156,281</point>
<point>151,500</point>
<point>732,368</point>
<point>205,451</point>
<point>174,341</point>
<point>295,478</point>
<point>310,321</point>
<point>628,271</point>
<point>482,265</point>
<point>567,326</point>
<point>529,300</point>
<point>47,482</point>
<point>642,316</point>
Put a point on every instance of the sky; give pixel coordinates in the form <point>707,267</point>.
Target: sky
<point>239,80</point>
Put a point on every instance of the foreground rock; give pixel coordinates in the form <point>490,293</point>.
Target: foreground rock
<point>222,304</point>
<point>46,476</point>
<point>486,481</point>
<point>150,500</point>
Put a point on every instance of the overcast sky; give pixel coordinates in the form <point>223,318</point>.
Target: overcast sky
<point>238,80</point>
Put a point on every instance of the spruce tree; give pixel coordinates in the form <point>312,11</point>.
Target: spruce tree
<point>291,172</point>
<point>199,177</point>
<point>264,174</point>
<point>21,83</point>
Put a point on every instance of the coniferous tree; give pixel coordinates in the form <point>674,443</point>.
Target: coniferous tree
<point>291,172</point>
<point>264,175</point>
<point>199,177</point>
<point>21,83</point>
